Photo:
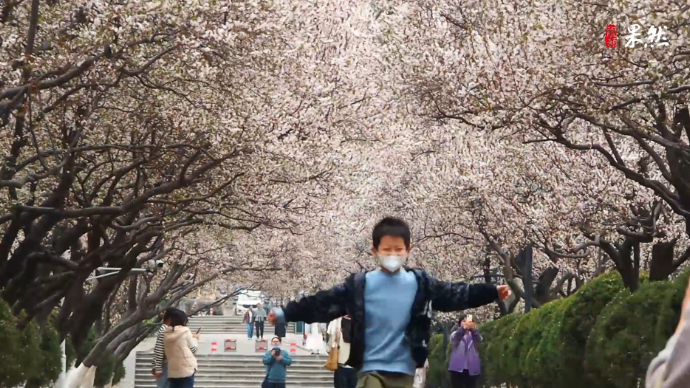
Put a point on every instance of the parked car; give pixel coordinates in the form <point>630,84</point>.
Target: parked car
<point>245,299</point>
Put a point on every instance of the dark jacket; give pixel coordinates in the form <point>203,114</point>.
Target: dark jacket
<point>280,330</point>
<point>245,317</point>
<point>348,299</point>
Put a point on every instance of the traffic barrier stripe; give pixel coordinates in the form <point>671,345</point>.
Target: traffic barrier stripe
<point>230,345</point>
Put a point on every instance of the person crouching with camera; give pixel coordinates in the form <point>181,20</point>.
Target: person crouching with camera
<point>276,361</point>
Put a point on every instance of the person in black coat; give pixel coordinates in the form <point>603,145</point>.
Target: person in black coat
<point>281,328</point>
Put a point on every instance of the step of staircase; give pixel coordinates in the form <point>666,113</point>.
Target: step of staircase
<point>241,371</point>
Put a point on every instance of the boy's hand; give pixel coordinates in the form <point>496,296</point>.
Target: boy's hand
<point>503,292</point>
<point>271,318</point>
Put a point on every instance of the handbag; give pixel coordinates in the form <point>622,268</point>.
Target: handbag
<point>332,362</point>
<point>265,383</point>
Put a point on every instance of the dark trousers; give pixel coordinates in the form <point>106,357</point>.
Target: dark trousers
<point>259,329</point>
<point>463,380</point>
<point>184,382</point>
<point>275,385</point>
<point>345,377</point>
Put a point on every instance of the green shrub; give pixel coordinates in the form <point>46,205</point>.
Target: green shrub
<point>119,373</point>
<point>622,342</point>
<point>105,371</point>
<point>569,338</point>
<point>26,354</point>
<point>437,363</point>
<point>493,350</point>
<point>30,356</point>
<point>669,314</point>
<point>20,347</point>
<point>11,372</point>
<point>602,336</point>
<point>50,359</point>
<point>70,353</point>
<point>543,356</point>
<point>85,347</point>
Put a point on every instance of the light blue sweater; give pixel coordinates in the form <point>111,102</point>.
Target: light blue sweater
<point>388,302</point>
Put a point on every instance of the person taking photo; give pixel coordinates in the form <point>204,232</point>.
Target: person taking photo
<point>276,360</point>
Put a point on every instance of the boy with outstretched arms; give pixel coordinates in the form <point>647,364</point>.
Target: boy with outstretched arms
<point>390,309</point>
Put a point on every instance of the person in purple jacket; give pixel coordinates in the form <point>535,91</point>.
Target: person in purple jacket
<point>464,366</point>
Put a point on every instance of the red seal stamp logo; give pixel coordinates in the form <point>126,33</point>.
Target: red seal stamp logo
<point>611,37</point>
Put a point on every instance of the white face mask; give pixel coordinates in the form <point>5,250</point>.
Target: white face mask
<point>392,263</point>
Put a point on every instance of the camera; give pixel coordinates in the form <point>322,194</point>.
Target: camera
<point>276,352</point>
<point>153,265</point>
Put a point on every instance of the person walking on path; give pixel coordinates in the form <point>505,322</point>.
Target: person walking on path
<point>281,329</point>
<point>160,364</point>
<point>248,319</point>
<point>276,360</point>
<point>180,347</point>
<point>340,329</point>
<point>260,319</point>
<point>315,339</point>
<point>464,366</point>
<point>671,367</point>
<point>390,309</point>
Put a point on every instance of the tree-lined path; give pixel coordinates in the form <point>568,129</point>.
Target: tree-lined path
<point>154,150</point>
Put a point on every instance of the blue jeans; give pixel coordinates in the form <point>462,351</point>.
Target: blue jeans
<point>184,382</point>
<point>162,382</point>
<point>250,330</point>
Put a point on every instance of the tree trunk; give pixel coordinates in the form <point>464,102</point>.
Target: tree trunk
<point>104,343</point>
<point>661,265</point>
<point>81,377</point>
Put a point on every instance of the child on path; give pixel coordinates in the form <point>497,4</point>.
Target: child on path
<point>390,309</point>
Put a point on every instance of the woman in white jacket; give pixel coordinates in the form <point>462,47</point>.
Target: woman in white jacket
<point>315,339</point>
<point>180,351</point>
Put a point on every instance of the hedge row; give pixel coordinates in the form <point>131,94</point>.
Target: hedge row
<point>28,356</point>
<point>601,337</point>
<point>33,358</point>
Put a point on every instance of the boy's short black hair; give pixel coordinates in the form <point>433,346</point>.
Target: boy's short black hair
<point>393,227</point>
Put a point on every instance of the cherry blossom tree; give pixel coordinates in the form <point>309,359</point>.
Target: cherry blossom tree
<point>529,71</point>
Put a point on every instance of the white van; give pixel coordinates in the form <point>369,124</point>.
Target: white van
<point>247,298</point>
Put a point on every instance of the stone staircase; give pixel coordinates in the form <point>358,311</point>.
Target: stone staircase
<point>226,324</point>
<point>241,371</point>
